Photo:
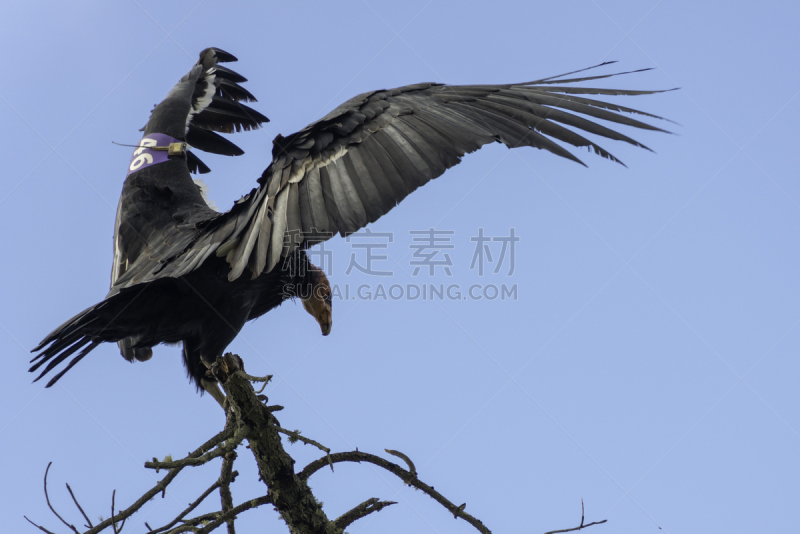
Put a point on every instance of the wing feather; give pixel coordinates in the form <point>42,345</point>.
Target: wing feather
<point>279,226</point>
<point>362,156</point>
<point>387,167</point>
<point>335,223</point>
<point>367,190</point>
<point>359,161</point>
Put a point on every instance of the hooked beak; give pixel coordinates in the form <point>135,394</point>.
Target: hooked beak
<point>318,302</point>
<point>321,312</point>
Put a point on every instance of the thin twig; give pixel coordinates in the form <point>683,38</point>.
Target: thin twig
<point>411,468</point>
<point>183,528</point>
<point>362,510</point>
<point>191,524</point>
<point>405,476</point>
<point>223,449</point>
<point>113,521</point>
<point>88,521</point>
<point>188,510</point>
<point>47,497</point>
<point>294,435</point>
<point>38,526</point>
<point>200,518</point>
<point>247,505</point>
<point>579,527</point>
<point>252,378</point>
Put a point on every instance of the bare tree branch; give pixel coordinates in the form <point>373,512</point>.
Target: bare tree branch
<point>226,477</point>
<point>362,510</point>
<point>411,468</point>
<point>192,524</point>
<point>294,435</point>
<point>47,497</point>
<point>264,379</point>
<point>247,505</point>
<point>239,435</point>
<point>187,511</point>
<point>88,521</point>
<point>579,527</point>
<point>113,521</point>
<point>405,476</point>
<point>37,526</point>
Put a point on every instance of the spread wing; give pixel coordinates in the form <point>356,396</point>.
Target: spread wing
<point>160,205</point>
<point>355,164</point>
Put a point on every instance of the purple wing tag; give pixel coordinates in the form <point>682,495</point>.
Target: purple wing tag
<point>144,156</point>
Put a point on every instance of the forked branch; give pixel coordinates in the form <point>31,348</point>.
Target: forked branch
<point>579,527</point>
<point>407,476</point>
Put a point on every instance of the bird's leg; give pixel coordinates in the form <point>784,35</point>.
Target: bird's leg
<point>210,383</point>
<point>212,388</point>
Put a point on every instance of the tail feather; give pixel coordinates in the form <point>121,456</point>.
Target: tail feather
<point>60,357</point>
<point>99,323</point>
<point>71,364</point>
<point>57,333</point>
<point>57,347</point>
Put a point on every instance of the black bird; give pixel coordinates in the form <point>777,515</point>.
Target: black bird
<point>184,272</point>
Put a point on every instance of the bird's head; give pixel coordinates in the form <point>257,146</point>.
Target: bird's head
<point>318,302</point>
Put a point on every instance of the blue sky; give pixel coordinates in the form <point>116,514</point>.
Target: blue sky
<point>649,364</point>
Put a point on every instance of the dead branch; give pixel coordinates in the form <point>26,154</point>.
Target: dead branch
<point>37,526</point>
<point>247,505</point>
<point>579,527</point>
<point>239,435</point>
<point>411,468</point>
<point>47,497</point>
<point>88,521</point>
<point>188,510</point>
<point>225,478</point>
<point>294,435</point>
<point>264,379</point>
<point>114,521</point>
<point>404,475</point>
<point>362,510</point>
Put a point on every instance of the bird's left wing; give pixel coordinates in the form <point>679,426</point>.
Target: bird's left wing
<point>355,164</point>
<point>160,203</point>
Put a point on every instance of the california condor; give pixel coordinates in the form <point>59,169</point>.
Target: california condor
<point>184,272</point>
